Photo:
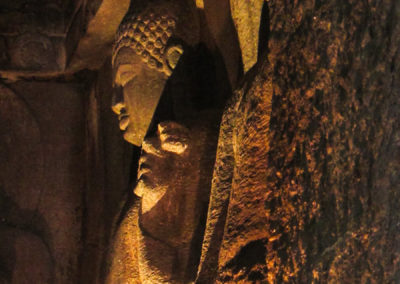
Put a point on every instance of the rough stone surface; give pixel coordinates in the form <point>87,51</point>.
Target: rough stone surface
<point>309,162</point>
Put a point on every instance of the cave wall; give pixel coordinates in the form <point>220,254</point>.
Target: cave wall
<point>44,158</point>
<point>65,178</point>
<point>308,162</point>
<point>61,191</point>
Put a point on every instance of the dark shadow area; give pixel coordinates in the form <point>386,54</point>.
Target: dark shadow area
<point>25,247</point>
<point>263,32</point>
<point>253,254</point>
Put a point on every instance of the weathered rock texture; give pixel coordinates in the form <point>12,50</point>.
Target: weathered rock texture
<point>307,175</point>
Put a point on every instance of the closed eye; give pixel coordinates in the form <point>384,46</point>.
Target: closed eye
<point>126,77</point>
<point>125,74</point>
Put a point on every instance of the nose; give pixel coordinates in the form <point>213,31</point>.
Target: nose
<point>117,101</point>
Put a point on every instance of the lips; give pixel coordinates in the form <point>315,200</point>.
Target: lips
<point>123,121</point>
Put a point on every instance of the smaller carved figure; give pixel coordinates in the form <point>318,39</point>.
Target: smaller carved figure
<point>158,232</point>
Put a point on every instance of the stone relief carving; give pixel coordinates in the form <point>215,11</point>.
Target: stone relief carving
<point>36,35</point>
<point>32,51</point>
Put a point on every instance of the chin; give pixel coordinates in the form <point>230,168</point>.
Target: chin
<point>132,138</point>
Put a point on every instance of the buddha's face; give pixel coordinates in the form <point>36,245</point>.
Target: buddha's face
<point>167,181</point>
<point>137,90</point>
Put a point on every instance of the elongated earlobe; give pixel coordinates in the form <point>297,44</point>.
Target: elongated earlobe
<point>172,56</point>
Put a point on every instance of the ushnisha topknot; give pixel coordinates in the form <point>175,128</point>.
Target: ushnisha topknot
<point>148,31</point>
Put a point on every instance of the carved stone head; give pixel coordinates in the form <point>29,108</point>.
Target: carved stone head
<point>149,44</point>
<point>168,180</point>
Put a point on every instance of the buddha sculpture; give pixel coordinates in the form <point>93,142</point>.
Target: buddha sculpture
<point>150,42</point>
<point>159,238</point>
